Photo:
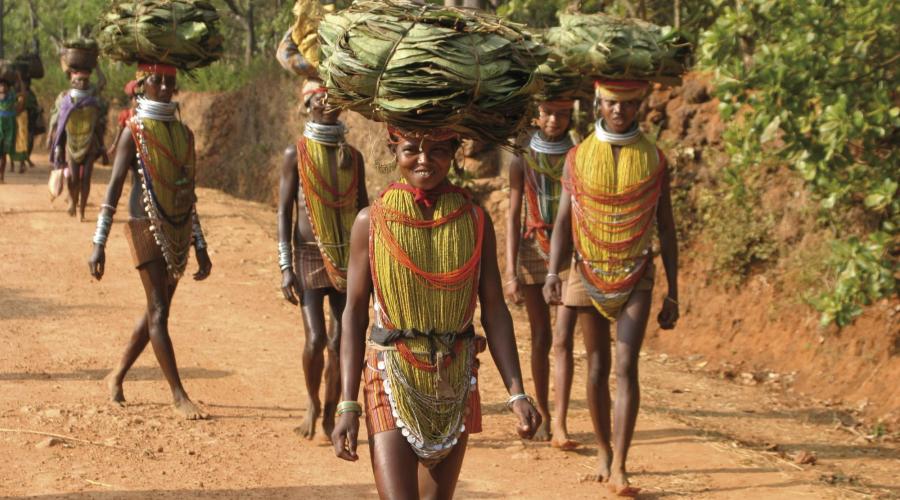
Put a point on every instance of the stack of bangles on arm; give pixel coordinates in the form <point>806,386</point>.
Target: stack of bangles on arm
<point>348,407</point>
<point>515,397</point>
<point>104,223</point>
<point>284,256</point>
<point>552,275</point>
<point>199,240</point>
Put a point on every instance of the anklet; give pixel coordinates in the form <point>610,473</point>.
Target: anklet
<point>515,397</point>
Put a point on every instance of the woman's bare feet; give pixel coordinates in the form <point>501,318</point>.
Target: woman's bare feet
<point>561,439</point>
<point>328,420</point>
<point>308,428</point>
<point>620,486</point>
<point>543,431</point>
<point>602,474</point>
<point>187,409</point>
<point>116,393</point>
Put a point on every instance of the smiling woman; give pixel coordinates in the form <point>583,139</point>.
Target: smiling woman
<point>425,250</point>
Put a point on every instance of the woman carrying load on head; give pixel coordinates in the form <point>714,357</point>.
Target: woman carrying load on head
<point>615,191</point>
<point>424,249</point>
<point>11,103</point>
<point>534,177</point>
<point>77,118</point>
<point>23,125</point>
<point>158,150</point>
<point>428,254</point>
<point>323,180</point>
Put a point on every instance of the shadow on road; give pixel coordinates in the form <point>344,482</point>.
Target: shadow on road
<point>136,373</point>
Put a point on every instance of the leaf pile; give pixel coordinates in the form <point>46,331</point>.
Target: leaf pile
<point>599,45</point>
<point>561,82</point>
<point>424,67</point>
<point>307,16</point>
<point>181,33</point>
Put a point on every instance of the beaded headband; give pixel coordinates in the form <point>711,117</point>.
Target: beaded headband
<point>621,90</point>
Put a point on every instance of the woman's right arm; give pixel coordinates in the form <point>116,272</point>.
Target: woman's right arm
<point>287,198</point>
<point>355,321</point>
<point>125,155</point>
<point>514,229</point>
<point>560,249</point>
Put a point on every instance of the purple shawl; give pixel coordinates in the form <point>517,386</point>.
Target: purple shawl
<point>65,110</point>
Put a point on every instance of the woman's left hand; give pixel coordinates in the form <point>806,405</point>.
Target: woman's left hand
<point>529,418</point>
<point>205,265</point>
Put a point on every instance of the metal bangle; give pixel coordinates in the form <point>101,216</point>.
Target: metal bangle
<point>285,258</point>
<point>552,275</point>
<point>104,223</point>
<point>348,407</point>
<point>112,209</point>
<point>514,280</point>
<point>197,230</point>
<point>670,299</point>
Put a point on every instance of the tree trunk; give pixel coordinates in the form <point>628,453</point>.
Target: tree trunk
<point>250,26</point>
<point>474,4</point>
<point>35,40</point>
<point>2,10</point>
<point>677,21</point>
<point>452,3</point>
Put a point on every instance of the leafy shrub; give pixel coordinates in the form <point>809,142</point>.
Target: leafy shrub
<point>862,275</point>
<point>813,84</point>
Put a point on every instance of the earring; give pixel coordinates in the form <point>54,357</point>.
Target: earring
<point>385,167</point>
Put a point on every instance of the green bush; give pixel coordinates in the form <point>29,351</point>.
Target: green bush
<point>812,84</point>
<point>862,274</point>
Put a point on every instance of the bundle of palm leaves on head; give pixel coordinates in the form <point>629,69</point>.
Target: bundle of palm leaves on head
<point>423,67</point>
<point>561,82</point>
<point>603,46</point>
<point>180,33</point>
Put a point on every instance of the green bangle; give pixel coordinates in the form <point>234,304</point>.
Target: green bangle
<point>348,407</point>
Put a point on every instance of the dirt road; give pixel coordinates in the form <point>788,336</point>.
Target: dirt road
<point>239,347</point>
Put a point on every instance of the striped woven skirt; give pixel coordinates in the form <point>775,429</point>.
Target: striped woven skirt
<point>379,417</point>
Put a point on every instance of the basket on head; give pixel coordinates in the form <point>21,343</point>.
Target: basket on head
<point>80,54</point>
<point>34,64</point>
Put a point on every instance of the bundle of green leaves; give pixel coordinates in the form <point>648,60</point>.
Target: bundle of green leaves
<point>181,33</point>
<point>603,46</point>
<point>423,67</point>
<point>561,82</point>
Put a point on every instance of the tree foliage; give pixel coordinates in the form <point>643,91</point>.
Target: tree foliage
<point>813,84</point>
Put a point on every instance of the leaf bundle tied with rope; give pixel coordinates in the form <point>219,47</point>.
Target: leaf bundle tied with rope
<point>180,33</point>
<point>604,46</point>
<point>423,67</point>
